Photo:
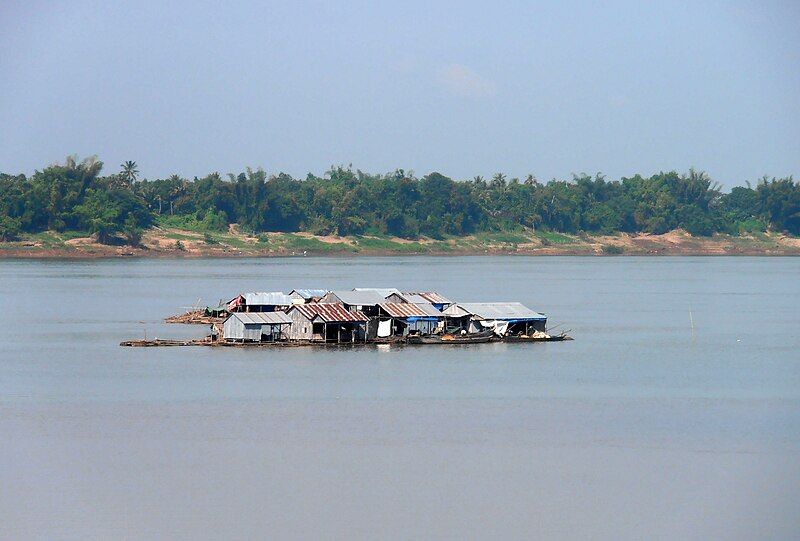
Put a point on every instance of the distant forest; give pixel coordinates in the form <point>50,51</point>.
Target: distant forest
<point>74,196</point>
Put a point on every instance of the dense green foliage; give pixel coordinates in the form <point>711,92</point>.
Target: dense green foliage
<point>345,202</point>
<point>72,197</point>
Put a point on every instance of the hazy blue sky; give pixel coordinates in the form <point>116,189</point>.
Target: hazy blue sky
<point>471,88</point>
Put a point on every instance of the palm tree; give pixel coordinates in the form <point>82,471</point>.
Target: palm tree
<point>129,172</point>
<point>498,180</point>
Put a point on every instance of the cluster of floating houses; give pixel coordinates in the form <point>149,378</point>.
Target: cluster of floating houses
<point>370,315</point>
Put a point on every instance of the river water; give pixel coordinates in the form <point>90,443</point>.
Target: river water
<point>675,412</point>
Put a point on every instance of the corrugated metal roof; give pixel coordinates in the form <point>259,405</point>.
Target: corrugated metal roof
<point>455,310</point>
<point>413,298</point>
<point>402,309</point>
<point>309,293</point>
<point>498,310</point>
<point>429,309</point>
<point>332,313</point>
<point>359,298</point>
<point>262,318</point>
<point>426,296</point>
<point>264,298</point>
<point>382,291</point>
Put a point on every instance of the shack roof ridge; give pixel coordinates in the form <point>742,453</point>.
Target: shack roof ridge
<point>309,292</point>
<point>262,318</point>
<point>432,297</point>
<point>494,310</point>
<point>404,309</point>
<point>330,312</point>
<point>266,297</point>
<point>358,298</point>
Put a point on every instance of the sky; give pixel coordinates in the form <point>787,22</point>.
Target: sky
<point>465,89</point>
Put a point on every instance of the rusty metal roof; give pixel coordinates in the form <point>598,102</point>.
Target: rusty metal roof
<point>402,309</point>
<point>332,313</point>
<point>426,296</point>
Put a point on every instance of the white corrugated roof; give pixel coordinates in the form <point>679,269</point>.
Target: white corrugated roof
<point>262,318</point>
<point>265,298</point>
<point>360,298</point>
<point>382,291</point>
<point>455,310</point>
<point>309,293</point>
<point>429,309</point>
<point>494,310</point>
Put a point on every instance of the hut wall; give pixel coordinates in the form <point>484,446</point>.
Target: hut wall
<point>233,329</point>
<point>371,329</point>
<point>301,327</point>
<point>422,326</point>
<point>252,332</point>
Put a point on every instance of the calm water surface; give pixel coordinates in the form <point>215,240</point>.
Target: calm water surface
<point>674,413</point>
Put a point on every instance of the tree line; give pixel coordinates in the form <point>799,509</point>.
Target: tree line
<point>74,196</point>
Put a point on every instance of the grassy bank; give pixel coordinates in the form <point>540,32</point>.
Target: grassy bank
<point>177,242</point>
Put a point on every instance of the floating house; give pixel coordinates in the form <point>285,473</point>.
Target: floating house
<point>327,322</point>
<point>260,301</point>
<point>402,319</point>
<point>303,296</point>
<point>256,327</point>
<point>364,315</point>
<point>440,302</point>
<point>366,301</point>
<point>505,318</point>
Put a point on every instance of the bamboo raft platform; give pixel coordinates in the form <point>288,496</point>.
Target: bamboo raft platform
<point>157,342</point>
<point>194,317</point>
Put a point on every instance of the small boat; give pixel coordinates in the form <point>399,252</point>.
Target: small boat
<point>469,338</point>
<point>538,337</point>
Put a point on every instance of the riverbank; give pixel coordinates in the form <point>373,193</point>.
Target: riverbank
<point>178,243</point>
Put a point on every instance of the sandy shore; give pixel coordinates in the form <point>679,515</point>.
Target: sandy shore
<point>174,243</point>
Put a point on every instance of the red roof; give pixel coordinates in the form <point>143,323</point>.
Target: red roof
<point>331,313</point>
<point>402,309</point>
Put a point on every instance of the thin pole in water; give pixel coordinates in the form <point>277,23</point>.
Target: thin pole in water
<point>691,321</point>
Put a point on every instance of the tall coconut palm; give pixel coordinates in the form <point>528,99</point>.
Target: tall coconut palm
<point>129,172</point>
<point>499,180</point>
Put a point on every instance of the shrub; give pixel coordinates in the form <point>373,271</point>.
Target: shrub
<point>613,249</point>
<point>9,229</point>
